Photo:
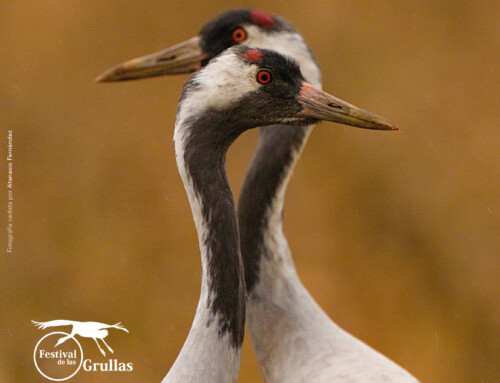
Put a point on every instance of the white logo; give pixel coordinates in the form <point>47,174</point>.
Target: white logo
<point>62,359</point>
<point>94,330</point>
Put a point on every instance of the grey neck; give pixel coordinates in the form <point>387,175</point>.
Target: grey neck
<point>262,194</point>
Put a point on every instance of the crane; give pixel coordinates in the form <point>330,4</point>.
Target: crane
<point>281,313</point>
<point>240,89</point>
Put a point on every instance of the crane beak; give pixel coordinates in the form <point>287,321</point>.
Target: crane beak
<point>185,57</point>
<point>320,105</point>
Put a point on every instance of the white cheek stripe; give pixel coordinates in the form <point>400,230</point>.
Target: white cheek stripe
<point>228,80</point>
<point>287,43</point>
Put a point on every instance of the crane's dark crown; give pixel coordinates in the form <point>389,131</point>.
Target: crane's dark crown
<point>216,34</point>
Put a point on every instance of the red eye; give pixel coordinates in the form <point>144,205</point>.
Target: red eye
<point>264,77</point>
<point>239,35</point>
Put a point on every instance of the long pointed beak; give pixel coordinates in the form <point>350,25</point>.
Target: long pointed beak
<point>320,105</point>
<point>185,57</point>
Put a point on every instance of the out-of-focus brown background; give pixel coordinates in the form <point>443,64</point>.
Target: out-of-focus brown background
<point>395,235</point>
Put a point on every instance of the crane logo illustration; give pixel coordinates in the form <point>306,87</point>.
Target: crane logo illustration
<point>94,330</point>
<point>62,359</point>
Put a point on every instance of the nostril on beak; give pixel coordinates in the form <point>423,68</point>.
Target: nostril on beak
<point>173,57</point>
<point>336,106</point>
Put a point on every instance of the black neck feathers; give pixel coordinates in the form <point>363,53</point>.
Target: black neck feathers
<point>269,168</point>
<point>204,158</point>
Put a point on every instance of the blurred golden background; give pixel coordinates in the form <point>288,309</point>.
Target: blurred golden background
<point>395,235</point>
